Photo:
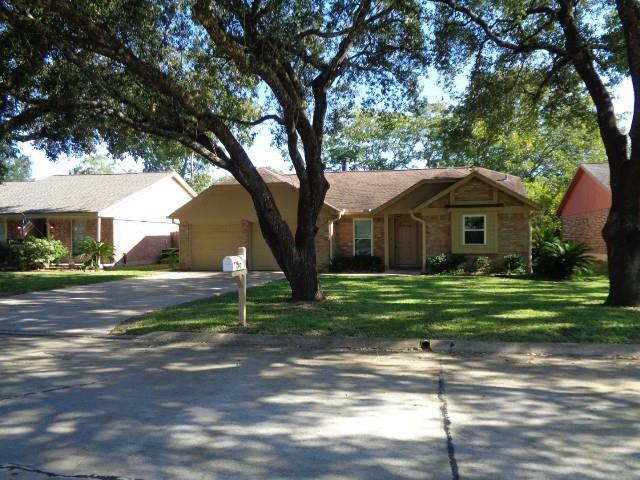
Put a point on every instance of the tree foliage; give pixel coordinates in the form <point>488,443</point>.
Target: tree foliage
<point>94,164</point>
<point>14,166</point>
<point>163,156</point>
<point>370,139</point>
<point>193,73</point>
<point>566,49</point>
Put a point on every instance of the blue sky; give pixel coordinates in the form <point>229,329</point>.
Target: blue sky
<point>261,151</point>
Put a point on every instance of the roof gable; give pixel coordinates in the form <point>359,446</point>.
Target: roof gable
<point>589,190</point>
<point>482,177</point>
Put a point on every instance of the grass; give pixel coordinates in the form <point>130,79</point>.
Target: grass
<point>471,308</point>
<point>15,283</point>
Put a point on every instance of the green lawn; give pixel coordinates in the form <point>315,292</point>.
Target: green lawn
<point>15,283</point>
<point>472,308</point>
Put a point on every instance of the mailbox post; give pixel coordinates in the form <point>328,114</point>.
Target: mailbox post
<point>237,266</point>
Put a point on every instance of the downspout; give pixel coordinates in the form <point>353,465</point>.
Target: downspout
<point>331,222</point>
<point>424,238</point>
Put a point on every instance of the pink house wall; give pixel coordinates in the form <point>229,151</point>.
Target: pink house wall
<point>584,212</point>
<point>585,194</point>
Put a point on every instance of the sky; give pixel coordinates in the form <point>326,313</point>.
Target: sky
<point>262,152</point>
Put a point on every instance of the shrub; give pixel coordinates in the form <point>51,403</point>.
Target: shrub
<point>456,261</point>
<point>32,253</point>
<point>95,252</point>
<point>541,235</point>
<point>358,263</point>
<point>7,257</point>
<point>514,264</point>
<point>559,259</point>
<point>481,264</point>
<point>171,256</point>
<point>437,264</point>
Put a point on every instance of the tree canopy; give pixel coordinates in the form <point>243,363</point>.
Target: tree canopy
<point>14,166</point>
<point>202,74</point>
<point>95,163</point>
<point>566,49</point>
<point>373,139</point>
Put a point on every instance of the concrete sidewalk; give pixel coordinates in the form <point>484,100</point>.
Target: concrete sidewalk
<point>96,309</point>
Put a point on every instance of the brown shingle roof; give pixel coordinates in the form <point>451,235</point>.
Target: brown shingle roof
<point>362,191</point>
<point>73,193</point>
<point>599,171</point>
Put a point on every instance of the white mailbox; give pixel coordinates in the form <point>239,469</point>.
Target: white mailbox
<point>234,263</point>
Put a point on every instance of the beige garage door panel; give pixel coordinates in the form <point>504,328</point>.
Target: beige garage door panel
<point>261,257</point>
<point>210,243</point>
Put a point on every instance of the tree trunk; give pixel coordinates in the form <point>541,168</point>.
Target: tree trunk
<point>303,276</point>
<point>622,230</point>
<point>622,235</point>
<point>623,251</point>
<point>298,262</point>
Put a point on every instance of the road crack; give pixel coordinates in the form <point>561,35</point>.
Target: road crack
<point>446,424</point>
<point>49,390</point>
<point>11,467</point>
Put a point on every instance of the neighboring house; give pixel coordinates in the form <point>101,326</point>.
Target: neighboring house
<point>585,207</point>
<point>401,216</point>
<point>129,211</point>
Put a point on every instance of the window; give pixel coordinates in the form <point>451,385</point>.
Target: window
<point>362,237</point>
<point>3,231</point>
<point>79,233</point>
<point>474,227</point>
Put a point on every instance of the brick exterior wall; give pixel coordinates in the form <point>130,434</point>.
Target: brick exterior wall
<point>322,245</point>
<point>343,237</point>
<point>106,230</point>
<point>12,229</point>
<point>587,228</point>
<point>513,236</point>
<point>61,230</point>
<point>378,237</point>
<point>438,234</point>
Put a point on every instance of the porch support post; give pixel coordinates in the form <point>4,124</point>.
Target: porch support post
<point>424,240</point>
<point>386,241</point>
<point>71,262</point>
<point>99,237</point>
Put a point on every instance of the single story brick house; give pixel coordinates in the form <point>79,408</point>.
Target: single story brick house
<point>585,207</point>
<point>129,211</point>
<point>401,216</point>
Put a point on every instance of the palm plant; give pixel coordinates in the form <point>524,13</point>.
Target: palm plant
<point>95,252</point>
<point>559,258</point>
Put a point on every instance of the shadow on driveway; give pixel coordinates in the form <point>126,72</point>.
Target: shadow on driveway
<point>96,309</point>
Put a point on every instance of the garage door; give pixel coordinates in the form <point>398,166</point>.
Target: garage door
<point>211,242</point>
<point>261,257</point>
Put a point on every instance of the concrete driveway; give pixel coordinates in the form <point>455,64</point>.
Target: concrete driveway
<point>96,309</point>
<point>116,409</point>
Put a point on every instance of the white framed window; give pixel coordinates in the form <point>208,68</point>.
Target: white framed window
<point>362,236</point>
<point>474,229</point>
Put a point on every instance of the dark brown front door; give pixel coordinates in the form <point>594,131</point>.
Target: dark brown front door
<point>406,241</point>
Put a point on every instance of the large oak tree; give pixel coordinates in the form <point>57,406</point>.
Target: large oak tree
<point>201,73</point>
<point>587,44</point>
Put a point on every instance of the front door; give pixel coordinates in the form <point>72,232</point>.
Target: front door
<point>406,241</point>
